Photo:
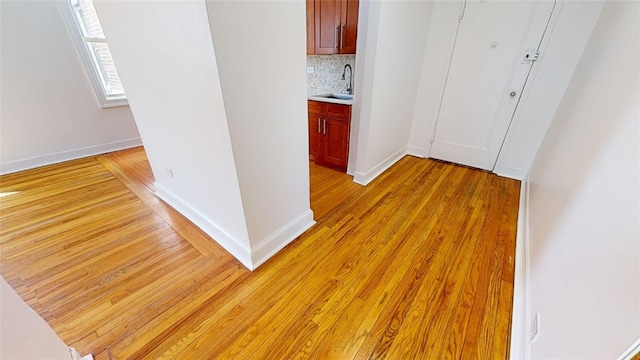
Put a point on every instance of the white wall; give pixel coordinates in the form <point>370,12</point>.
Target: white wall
<point>23,333</point>
<point>365,50</point>
<point>394,43</point>
<point>48,109</point>
<point>239,166</point>
<point>584,202</point>
<point>165,57</point>
<point>261,55</point>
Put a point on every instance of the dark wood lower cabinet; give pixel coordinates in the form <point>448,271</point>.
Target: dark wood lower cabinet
<point>329,126</point>
<point>315,126</point>
<point>336,143</point>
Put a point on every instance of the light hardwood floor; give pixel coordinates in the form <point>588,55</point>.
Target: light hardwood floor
<point>416,265</point>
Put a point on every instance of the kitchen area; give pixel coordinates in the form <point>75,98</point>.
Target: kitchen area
<point>331,55</point>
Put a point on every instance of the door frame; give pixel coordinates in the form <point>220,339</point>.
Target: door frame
<point>526,90</point>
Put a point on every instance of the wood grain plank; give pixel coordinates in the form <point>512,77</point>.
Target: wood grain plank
<point>417,264</point>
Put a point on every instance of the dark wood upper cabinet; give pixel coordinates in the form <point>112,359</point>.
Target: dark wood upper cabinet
<point>327,25</point>
<point>335,26</point>
<point>311,29</point>
<point>349,22</point>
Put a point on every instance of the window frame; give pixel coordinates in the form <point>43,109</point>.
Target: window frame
<point>88,58</point>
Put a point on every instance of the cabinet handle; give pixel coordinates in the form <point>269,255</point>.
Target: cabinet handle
<point>335,43</point>
<point>324,126</point>
<point>318,125</point>
<point>341,36</point>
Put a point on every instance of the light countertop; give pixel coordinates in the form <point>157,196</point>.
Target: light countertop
<point>330,100</point>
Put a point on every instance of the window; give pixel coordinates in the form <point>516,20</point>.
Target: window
<point>85,28</point>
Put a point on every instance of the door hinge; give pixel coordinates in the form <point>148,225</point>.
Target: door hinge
<point>531,55</point>
<point>462,8</point>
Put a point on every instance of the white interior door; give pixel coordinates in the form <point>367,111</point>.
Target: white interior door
<point>487,73</point>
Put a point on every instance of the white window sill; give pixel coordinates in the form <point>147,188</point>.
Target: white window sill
<point>115,102</point>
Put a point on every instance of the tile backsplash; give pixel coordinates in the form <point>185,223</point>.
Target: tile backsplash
<point>327,76</point>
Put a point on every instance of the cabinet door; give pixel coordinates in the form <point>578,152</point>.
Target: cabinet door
<point>327,25</point>
<point>315,131</point>
<point>349,23</point>
<point>335,145</point>
<point>311,28</point>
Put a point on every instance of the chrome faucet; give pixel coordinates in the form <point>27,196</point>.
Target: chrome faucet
<point>350,85</point>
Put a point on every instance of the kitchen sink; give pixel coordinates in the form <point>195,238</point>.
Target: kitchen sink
<point>336,96</point>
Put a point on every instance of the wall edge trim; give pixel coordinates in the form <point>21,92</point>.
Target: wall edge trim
<point>67,155</point>
<point>272,244</point>
<point>365,178</point>
<point>511,172</point>
<point>417,151</point>
<point>633,350</point>
<point>520,346</point>
<point>233,246</point>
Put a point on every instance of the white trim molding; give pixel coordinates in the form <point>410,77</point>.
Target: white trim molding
<point>520,330</point>
<point>66,155</point>
<point>250,258</point>
<point>75,355</point>
<point>351,169</point>
<point>417,151</point>
<point>281,238</point>
<point>633,350</point>
<point>510,172</point>
<point>365,178</point>
<point>233,246</point>
<point>105,100</point>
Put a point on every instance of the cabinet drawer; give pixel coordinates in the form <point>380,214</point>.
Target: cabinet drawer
<point>338,111</point>
<point>315,107</point>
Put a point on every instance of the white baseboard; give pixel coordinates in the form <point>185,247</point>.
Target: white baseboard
<point>250,258</point>
<point>520,331</point>
<point>365,178</point>
<point>75,355</point>
<point>416,151</point>
<point>351,169</point>
<point>633,350</point>
<point>511,172</point>
<point>48,159</point>
<point>233,246</point>
<point>281,238</point>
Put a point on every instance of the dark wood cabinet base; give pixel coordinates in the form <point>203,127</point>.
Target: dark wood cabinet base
<point>329,129</point>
